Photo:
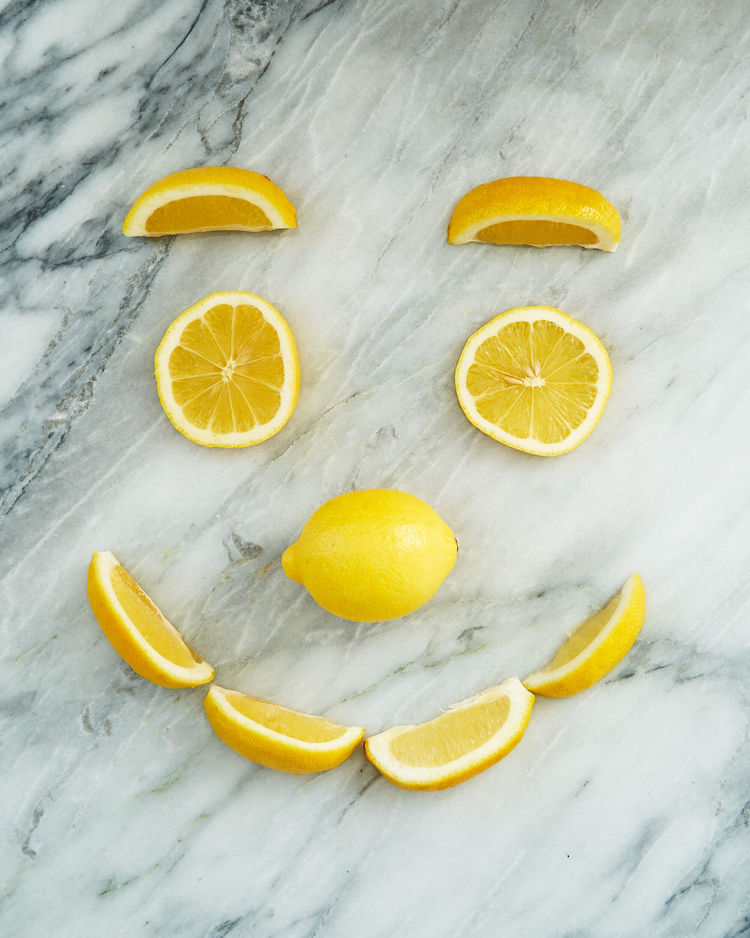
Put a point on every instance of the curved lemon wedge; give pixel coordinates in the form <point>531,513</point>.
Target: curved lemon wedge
<point>273,736</point>
<point>468,738</point>
<point>138,630</point>
<point>596,646</point>
<point>534,379</point>
<point>227,371</point>
<point>538,211</point>
<point>209,198</point>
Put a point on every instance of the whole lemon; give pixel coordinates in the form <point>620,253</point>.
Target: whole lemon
<point>372,554</point>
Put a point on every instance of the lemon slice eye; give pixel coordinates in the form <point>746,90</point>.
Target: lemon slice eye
<point>227,371</point>
<point>534,379</point>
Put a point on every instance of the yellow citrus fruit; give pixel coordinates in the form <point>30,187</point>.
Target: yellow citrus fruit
<point>372,554</point>
<point>276,737</point>
<point>227,371</point>
<point>595,647</point>
<point>538,211</point>
<point>534,379</point>
<point>468,738</point>
<point>138,630</point>
<point>209,198</point>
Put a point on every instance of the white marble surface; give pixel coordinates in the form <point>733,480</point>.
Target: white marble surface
<point>625,811</point>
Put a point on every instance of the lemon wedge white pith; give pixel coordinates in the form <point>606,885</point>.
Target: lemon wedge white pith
<point>227,370</point>
<point>277,737</point>
<point>466,739</point>
<point>209,198</point>
<point>535,379</point>
<point>537,211</point>
<point>138,630</point>
<point>595,647</point>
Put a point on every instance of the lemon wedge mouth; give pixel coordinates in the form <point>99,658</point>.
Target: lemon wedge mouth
<point>466,739</point>
<point>138,630</point>
<point>595,647</point>
<point>277,737</point>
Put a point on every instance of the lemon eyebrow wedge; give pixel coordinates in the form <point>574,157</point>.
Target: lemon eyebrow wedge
<point>138,630</point>
<point>464,740</point>
<point>276,737</point>
<point>209,198</point>
<point>538,211</point>
<point>595,647</point>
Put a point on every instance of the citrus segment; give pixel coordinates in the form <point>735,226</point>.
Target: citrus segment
<point>537,211</point>
<point>138,630</point>
<point>209,198</point>
<point>468,738</point>
<point>227,371</point>
<point>277,737</point>
<point>596,646</point>
<point>534,379</point>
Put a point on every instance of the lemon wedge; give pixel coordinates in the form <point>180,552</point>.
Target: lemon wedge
<point>596,646</point>
<point>138,630</point>
<point>276,737</point>
<point>227,371</point>
<point>466,739</point>
<point>538,211</point>
<point>209,198</point>
<point>535,379</point>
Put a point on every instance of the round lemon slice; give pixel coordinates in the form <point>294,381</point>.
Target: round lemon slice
<point>538,211</point>
<point>138,630</point>
<point>227,371</point>
<point>209,198</point>
<point>534,379</point>
<point>466,739</point>
<point>276,737</point>
<point>596,646</point>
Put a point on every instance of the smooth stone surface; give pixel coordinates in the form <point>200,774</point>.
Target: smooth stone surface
<point>624,812</point>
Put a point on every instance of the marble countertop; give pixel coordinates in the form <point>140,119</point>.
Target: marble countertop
<point>625,810</point>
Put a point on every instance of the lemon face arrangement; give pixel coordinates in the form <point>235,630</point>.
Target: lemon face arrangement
<point>535,379</point>
<point>537,211</point>
<point>372,554</point>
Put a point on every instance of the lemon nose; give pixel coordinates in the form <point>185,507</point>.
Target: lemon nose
<point>289,563</point>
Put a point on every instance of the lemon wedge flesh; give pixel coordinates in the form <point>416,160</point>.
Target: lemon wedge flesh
<point>537,211</point>
<point>209,198</point>
<point>227,371</point>
<point>535,379</point>
<point>596,646</point>
<point>138,630</point>
<point>466,739</point>
<point>276,737</point>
